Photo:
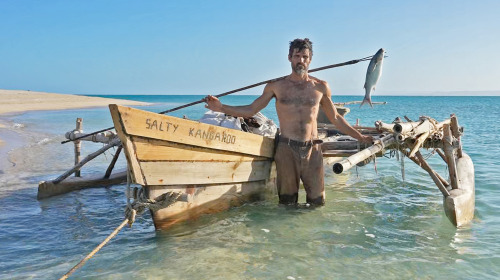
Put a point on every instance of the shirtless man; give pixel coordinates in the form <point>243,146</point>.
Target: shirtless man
<point>298,98</point>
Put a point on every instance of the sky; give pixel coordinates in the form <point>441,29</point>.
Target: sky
<point>210,47</point>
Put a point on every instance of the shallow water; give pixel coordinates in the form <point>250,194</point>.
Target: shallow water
<point>374,224</point>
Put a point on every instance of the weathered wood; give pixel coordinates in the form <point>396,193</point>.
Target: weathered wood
<point>450,156</point>
<point>113,162</point>
<point>455,128</point>
<point>130,153</point>
<point>455,131</point>
<point>78,145</point>
<point>418,143</point>
<point>156,150</point>
<point>405,127</point>
<point>351,161</point>
<point>85,160</point>
<point>161,127</point>
<point>207,199</point>
<point>459,205</point>
<point>184,172</point>
<point>171,154</point>
<point>381,126</point>
<point>432,173</point>
<point>49,188</point>
<point>443,123</point>
<point>425,126</point>
<point>343,145</point>
<point>103,137</point>
<point>441,154</point>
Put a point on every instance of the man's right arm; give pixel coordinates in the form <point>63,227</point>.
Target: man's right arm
<point>246,111</point>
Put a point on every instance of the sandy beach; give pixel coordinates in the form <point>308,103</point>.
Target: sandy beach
<point>18,101</point>
<point>12,101</point>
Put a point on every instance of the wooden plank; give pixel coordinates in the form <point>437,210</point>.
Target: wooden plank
<point>158,150</point>
<point>207,200</point>
<point>162,127</point>
<point>176,173</point>
<point>133,163</point>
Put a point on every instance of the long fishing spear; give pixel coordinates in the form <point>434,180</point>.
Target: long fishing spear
<point>231,92</point>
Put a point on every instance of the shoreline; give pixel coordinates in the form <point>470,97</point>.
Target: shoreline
<point>14,102</point>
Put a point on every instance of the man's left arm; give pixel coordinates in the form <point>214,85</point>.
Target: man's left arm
<point>336,119</point>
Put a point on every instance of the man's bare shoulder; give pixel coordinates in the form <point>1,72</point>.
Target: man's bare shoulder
<point>277,85</point>
<point>322,85</point>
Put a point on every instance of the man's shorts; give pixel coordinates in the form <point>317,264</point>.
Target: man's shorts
<point>297,161</point>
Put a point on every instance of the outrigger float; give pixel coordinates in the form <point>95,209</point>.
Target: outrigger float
<point>186,168</point>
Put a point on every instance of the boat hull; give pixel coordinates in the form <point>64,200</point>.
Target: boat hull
<point>217,167</point>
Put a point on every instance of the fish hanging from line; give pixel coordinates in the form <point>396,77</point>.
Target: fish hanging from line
<point>372,75</point>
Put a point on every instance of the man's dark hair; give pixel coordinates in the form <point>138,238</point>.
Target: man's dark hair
<point>300,44</point>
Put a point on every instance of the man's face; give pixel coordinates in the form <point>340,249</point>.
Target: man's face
<point>300,61</point>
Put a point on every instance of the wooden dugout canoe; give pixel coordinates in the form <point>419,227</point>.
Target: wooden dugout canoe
<point>217,166</point>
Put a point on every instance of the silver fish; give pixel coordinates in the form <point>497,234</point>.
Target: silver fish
<point>372,75</point>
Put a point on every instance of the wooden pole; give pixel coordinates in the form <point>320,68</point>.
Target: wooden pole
<point>381,126</point>
<point>78,145</point>
<point>433,174</point>
<point>427,168</point>
<point>87,159</point>
<point>450,157</point>
<point>418,143</point>
<point>441,154</point>
<point>113,162</point>
<point>455,131</point>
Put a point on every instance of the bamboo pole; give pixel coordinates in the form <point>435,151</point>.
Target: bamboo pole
<point>78,145</point>
<point>113,162</point>
<point>405,127</point>
<point>85,160</point>
<point>450,157</point>
<point>349,162</point>
<point>433,174</point>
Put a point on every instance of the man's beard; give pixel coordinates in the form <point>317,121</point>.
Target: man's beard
<point>300,69</point>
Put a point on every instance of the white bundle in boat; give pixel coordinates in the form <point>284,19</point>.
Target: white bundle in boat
<point>220,119</point>
<point>266,126</point>
<point>260,124</point>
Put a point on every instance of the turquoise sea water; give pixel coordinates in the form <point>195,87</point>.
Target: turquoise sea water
<point>374,224</point>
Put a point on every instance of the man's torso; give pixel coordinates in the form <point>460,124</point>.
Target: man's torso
<point>297,105</point>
